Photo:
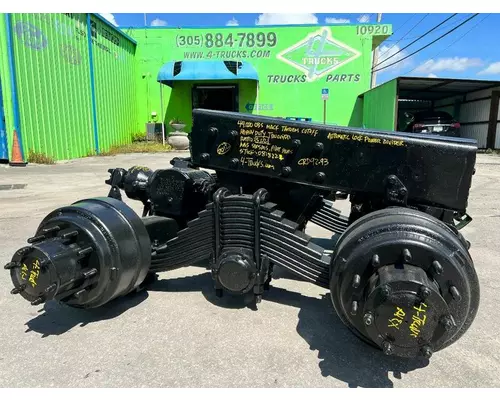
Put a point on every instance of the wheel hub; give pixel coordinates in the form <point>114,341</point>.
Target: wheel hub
<point>236,272</point>
<point>403,310</point>
<point>404,282</point>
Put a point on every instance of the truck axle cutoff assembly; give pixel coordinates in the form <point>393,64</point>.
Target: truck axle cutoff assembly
<point>400,274</point>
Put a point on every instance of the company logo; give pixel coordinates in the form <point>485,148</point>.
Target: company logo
<point>223,148</point>
<point>31,35</point>
<point>70,54</point>
<point>318,54</point>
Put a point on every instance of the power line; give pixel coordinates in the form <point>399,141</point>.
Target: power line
<point>446,26</point>
<point>404,23</point>
<point>414,26</point>
<point>451,44</point>
<point>429,44</point>
<point>416,40</point>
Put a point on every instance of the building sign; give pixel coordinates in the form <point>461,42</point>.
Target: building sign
<point>258,107</point>
<point>231,40</point>
<point>318,54</point>
<point>314,54</point>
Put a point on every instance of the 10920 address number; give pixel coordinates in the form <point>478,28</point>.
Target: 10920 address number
<point>372,29</point>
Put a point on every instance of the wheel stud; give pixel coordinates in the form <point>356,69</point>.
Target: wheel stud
<point>437,267</point>
<point>354,307</point>
<point>69,235</point>
<point>85,251</point>
<point>455,293</point>
<point>356,281</point>
<point>11,265</point>
<point>447,322</point>
<point>37,301</point>
<point>89,273</point>
<point>51,288</point>
<point>376,261</point>
<point>36,239</point>
<point>385,291</point>
<point>52,229</point>
<point>426,352</point>
<point>80,293</point>
<point>18,290</point>
<point>406,255</point>
<point>368,319</point>
<point>387,348</point>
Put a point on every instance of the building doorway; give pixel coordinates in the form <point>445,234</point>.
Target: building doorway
<point>219,98</point>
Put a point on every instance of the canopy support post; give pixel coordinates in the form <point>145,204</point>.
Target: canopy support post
<point>162,115</point>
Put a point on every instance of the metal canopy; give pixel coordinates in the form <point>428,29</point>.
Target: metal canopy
<point>437,89</point>
<point>191,70</point>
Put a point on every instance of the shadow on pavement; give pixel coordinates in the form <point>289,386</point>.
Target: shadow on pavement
<point>341,354</point>
<point>204,283</point>
<point>56,318</point>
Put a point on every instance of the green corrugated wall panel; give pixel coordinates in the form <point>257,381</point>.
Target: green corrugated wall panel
<point>379,106</point>
<point>115,85</point>
<point>6,87</point>
<point>152,52</point>
<point>53,81</point>
<point>54,88</point>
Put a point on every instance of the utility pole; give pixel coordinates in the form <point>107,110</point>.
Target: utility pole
<point>375,56</point>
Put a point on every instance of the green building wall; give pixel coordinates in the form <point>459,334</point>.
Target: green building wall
<point>54,74</point>
<point>277,53</point>
<point>58,76</point>
<point>6,84</point>
<point>380,106</point>
<point>115,85</point>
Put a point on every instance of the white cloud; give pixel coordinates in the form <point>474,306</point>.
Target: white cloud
<point>390,51</point>
<point>110,17</point>
<point>492,69</point>
<point>364,18</point>
<point>286,19</point>
<point>432,76</point>
<point>456,64</point>
<point>333,20</point>
<point>232,22</point>
<point>158,22</point>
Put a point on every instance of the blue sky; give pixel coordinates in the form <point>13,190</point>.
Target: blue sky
<point>472,51</point>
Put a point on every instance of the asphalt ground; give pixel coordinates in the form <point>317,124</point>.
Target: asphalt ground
<point>178,334</point>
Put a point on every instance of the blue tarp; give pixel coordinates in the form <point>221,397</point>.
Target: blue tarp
<point>191,70</point>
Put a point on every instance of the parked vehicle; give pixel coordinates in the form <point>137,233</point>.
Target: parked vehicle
<point>434,122</point>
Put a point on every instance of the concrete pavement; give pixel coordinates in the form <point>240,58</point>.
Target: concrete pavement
<point>178,334</point>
